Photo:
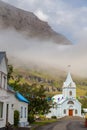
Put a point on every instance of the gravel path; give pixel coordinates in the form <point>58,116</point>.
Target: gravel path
<point>76,125</point>
<point>68,123</point>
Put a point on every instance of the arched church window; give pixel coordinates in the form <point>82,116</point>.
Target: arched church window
<point>70,93</point>
<point>70,102</point>
<point>64,111</point>
<point>76,111</point>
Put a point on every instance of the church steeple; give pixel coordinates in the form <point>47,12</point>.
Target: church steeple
<point>69,87</point>
<point>68,79</point>
<point>69,82</point>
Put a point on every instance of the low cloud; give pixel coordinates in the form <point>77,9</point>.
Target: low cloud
<point>41,15</point>
<point>29,52</point>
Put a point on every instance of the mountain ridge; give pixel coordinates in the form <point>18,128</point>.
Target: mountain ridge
<point>28,23</point>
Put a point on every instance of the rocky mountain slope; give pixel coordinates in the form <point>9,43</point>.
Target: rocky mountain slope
<point>27,23</point>
<point>51,83</point>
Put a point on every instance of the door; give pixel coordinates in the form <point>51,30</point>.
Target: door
<point>70,112</point>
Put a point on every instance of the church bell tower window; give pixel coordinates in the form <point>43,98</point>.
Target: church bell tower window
<point>70,93</point>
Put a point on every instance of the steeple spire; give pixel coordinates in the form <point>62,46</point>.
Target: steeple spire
<point>68,79</point>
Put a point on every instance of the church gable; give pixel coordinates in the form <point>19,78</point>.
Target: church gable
<point>3,63</point>
<point>3,70</point>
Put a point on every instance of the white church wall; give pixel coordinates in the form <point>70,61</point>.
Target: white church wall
<point>56,111</point>
<point>63,109</point>
<point>66,107</point>
<point>66,92</point>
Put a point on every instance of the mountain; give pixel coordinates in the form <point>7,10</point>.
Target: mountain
<point>29,24</point>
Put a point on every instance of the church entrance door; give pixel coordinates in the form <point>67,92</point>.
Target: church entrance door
<point>70,112</point>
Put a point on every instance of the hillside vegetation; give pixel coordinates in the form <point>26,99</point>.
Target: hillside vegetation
<point>52,84</point>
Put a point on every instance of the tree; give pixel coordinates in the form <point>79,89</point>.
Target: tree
<point>10,71</point>
<point>37,98</point>
<point>84,101</point>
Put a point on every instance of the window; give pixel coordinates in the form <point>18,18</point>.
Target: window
<point>4,82</point>
<point>1,109</point>
<point>64,111</point>
<point>70,84</point>
<point>12,106</point>
<point>25,112</point>
<point>70,93</point>
<point>21,112</point>
<point>70,102</point>
<point>76,112</point>
<point>0,79</point>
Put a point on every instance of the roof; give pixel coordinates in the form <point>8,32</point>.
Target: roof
<point>2,55</point>
<point>17,95</point>
<point>21,97</point>
<point>10,89</point>
<point>57,98</point>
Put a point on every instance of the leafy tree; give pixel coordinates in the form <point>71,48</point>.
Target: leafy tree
<point>84,101</point>
<point>36,96</point>
<point>10,71</point>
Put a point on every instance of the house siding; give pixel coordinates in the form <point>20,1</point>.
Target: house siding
<point>10,103</point>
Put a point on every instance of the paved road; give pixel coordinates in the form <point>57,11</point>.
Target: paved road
<point>66,124</point>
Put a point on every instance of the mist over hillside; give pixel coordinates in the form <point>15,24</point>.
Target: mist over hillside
<point>39,54</point>
<point>31,53</point>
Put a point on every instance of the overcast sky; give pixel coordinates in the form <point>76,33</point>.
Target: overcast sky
<point>68,17</point>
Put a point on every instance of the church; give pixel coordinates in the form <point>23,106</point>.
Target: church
<point>66,104</point>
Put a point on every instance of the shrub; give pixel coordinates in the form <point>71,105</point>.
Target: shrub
<point>53,117</point>
<point>31,118</point>
<point>16,118</point>
<point>42,117</point>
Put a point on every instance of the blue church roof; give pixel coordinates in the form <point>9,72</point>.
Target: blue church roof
<point>21,97</point>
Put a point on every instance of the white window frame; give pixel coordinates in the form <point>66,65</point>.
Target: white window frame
<point>64,111</point>
<point>25,112</point>
<point>21,114</point>
<point>1,110</point>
